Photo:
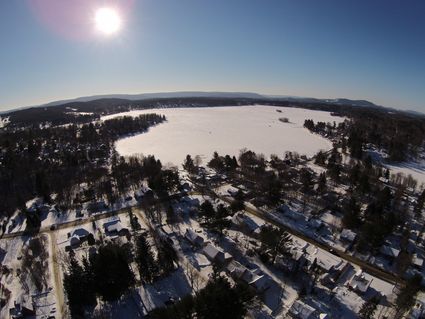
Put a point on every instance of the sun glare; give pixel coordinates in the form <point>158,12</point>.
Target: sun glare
<point>107,21</point>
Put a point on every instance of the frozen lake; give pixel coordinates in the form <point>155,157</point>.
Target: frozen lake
<point>227,130</point>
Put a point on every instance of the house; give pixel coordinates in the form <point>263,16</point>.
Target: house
<point>77,236</point>
<point>417,261</point>
<point>359,283</point>
<point>96,206</point>
<point>192,202</point>
<point>144,190</point>
<point>239,272</point>
<point>417,311</point>
<point>115,228</point>
<point>383,180</point>
<point>287,264</point>
<point>301,310</point>
<point>347,235</point>
<point>315,223</point>
<point>23,308</point>
<point>389,251</point>
<point>293,215</point>
<point>322,259</point>
<point>216,255</point>
<point>330,278</point>
<point>246,222</point>
<point>194,238</point>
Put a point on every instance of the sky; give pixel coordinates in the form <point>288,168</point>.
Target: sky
<point>364,49</point>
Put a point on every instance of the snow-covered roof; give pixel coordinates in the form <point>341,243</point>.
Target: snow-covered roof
<point>315,223</point>
<point>323,258</point>
<point>389,251</point>
<point>417,261</point>
<point>359,282</point>
<point>242,219</point>
<point>193,237</point>
<point>239,271</point>
<point>210,251</point>
<point>80,232</point>
<point>74,240</point>
<point>348,235</point>
<point>301,310</point>
<point>115,227</point>
<point>213,253</point>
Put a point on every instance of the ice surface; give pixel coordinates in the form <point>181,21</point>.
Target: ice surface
<point>201,131</point>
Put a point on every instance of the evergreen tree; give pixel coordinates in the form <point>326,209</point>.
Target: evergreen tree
<point>145,260</point>
<point>189,165</point>
<point>218,300</point>
<point>405,298</point>
<point>351,217</point>
<point>167,256</point>
<point>420,203</point>
<point>112,273</point>
<point>220,221</point>
<point>206,211</point>
<point>321,187</point>
<point>78,288</point>
<point>369,308</point>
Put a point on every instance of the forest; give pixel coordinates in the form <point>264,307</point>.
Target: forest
<point>47,162</point>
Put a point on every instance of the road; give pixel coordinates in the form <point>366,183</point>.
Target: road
<point>60,298</point>
<point>56,267</point>
<point>374,271</point>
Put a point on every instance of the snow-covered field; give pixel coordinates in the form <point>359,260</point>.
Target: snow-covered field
<point>201,131</point>
<point>416,170</point>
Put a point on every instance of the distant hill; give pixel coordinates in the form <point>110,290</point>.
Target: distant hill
<point>338,101</point>
<point>89,108</point>
<point>164,95</point>
<point>189,94</point>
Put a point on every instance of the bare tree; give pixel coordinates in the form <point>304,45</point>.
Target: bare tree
<point>192,275</point>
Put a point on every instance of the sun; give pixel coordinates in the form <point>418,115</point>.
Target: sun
<point>107,20</point>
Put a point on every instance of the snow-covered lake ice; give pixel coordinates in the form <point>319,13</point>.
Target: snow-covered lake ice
<point>227,130</point>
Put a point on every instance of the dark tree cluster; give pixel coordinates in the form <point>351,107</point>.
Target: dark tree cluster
<point>218,300</point>
<point>223,163</point>
<point>274,241</point>
<point>106,274</point>
<point>215,219</point>
<point>406,297</point>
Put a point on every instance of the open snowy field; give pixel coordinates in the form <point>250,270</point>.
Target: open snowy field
<point>201,131</point>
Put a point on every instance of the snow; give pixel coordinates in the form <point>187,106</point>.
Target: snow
<point>19,285</point>
<point>415,169</point>
<point>227,130</point>
<point>4,121</point>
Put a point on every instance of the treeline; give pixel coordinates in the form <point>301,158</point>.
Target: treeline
<point>400,135</point>
<point>68,113</point>
<point>43,162</point>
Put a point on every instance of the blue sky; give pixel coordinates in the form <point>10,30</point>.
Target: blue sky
<point>363,49</point>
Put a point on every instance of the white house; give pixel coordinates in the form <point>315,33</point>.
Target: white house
<point>216,255</point>
<point>359,283</point>
<point>115,227</point>
<point>301,310</point>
